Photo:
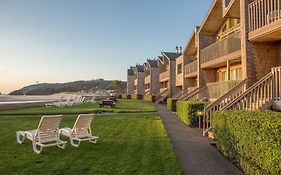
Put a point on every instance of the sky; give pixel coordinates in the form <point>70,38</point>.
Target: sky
<point>68,40</point>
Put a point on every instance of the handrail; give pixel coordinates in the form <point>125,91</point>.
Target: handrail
<point>187,94</point>
<point>221,102</point>
<point>254,97</point>
<point>197,94</point>
<point>163,95</point>
<point>263,12</point>
<point>159,96</point>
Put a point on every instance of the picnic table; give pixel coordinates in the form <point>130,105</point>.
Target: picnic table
<point>107,103</point>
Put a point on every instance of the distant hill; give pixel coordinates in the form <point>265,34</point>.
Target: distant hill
<point>76,86</point>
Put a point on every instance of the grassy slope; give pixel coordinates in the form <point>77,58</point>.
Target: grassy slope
<point>122,106</point>
<point>129,144</point>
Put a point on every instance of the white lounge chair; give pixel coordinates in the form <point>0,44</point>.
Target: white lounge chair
<point>56,103</point>
<point>47,134</point>
<point>81,130</point>
<point>92,100</point>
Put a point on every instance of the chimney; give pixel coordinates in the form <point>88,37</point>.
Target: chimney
<point>177,49</point>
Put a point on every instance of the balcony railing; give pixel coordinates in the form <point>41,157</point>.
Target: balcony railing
<point>191,67</point>
<point>263,12</point>
<point>226,46</point>
<point>217,89</point>
<point>226,2</point>
<point>164,75</point>
<point>147,79</point>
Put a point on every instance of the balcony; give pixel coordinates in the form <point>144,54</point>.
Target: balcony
<point>179,80</point>
<point>264,20</point>
<point>217,89</point>
<point>226,49</point>
<point>164,76</point>
<point>191,69</point>
<point>147,79</point>
<point>231,8</point>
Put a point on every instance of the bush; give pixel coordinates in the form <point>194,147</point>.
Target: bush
<point>250,139</point>
<point>136,97</point>
<point>172,104</point>
<point>149,98</point>
<point>126,96</point>
<point>187,111</point>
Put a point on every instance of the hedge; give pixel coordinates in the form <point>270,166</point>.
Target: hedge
<point>149,98</point>
<point>172,104</point>
<point>126,96</point>
<point>251,139</point>
<point>136,97</point>
<point>187,111</point>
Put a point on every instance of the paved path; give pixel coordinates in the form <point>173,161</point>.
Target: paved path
<point>196,155</point>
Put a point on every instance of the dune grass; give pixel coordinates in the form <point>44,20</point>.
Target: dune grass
<point>129,144</point>
<point>122,106</point>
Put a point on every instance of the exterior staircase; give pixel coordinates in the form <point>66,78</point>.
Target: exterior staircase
<point>198,94</point>
<point>264,94</point>
<point>163,96</point>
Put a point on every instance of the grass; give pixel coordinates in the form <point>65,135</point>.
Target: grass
<point>129,144</point>
<point>122,106</point>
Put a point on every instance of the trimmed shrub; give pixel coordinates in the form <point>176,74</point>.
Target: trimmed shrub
<point>187,111</point>
<point>149,98</point>
<point>136,97</point>
<point>251,139</point>
<point>172,104</point>
<point>126,96</point>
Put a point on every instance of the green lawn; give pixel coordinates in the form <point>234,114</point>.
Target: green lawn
<point>122,106</point>
<point>129,144</point>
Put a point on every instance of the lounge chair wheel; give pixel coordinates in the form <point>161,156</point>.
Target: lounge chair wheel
<point>94,140</point>
<point>74,144</point>
<point>35,149</point>
<point>20,138</point>
<point>62,146</point>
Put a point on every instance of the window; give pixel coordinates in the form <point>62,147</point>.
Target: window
<point>179,68</point>
<point>238,73</point>
<point>223,76</point>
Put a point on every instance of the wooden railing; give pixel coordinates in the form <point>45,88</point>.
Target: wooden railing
<point>254,97</point>
<point>263,12</point>
<point>276,73</point>
<point>164,75</point>
<point>181,93</point>
<point>163,95</point>
<point>217,89</point>
<point>198,94</point>
<point>191,67</point>
<point>226,3</point>
<point>226,46</point>
<point>147,79</point>
<point>221,102</point>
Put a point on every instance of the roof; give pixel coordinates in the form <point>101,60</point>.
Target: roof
<point>172,56</point>
<point>214,18</point>
<point>190,47</point>
<point>139,68</point>
<point>152,63</point>
<point>130,71</point>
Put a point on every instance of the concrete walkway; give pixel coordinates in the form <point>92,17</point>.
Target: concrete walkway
<point>196,155</point>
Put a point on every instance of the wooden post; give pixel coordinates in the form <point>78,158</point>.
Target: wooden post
<point>228,70</point>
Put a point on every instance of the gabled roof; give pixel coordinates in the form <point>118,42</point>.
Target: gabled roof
<point>214,18</point>
<point>152,63</point>
<point>190,47</point>
<point>172,56</point>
